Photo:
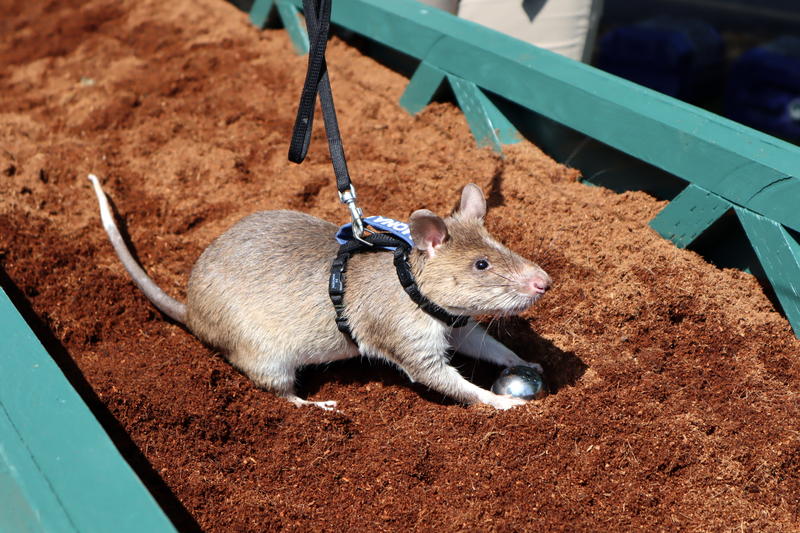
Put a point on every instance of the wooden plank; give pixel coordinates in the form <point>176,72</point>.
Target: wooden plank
<point>26,501</point>
<point>259,12</point>
<point>56,455</point>
<point>688,215</point>
<point>421,88</point>
<point>290,17</point>
<point>739,164</point>
<point>489,126</point>
<point>779,255</point>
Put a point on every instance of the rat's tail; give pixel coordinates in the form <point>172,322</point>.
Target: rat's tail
<point>166,304</point>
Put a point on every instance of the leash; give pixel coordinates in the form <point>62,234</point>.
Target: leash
<point>318,15</point>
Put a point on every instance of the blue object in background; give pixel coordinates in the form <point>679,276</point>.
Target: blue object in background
<point>763,89</point>
<point>679,57</point>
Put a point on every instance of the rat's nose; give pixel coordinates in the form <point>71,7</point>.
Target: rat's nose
<point>538,282</point>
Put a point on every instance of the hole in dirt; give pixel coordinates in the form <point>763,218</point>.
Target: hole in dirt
<point>561,368</point>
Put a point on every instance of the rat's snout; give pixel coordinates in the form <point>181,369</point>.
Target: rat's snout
<point>536,281</point>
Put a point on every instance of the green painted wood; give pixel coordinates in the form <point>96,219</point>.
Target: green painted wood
<point>779,255</point>
<point>489,126</point>
<point>421,88</point>
<point>739,164</point>
<point>259,12</point>
<point>26,501</point>
<point>290,17</point>
<point>688,215</point>
<point>56,456</point>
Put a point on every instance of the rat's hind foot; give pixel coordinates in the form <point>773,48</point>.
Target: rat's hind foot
<point>329,405</point>
<point>280,380</point>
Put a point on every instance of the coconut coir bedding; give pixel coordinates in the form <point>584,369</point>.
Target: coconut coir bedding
<point>675,384</point>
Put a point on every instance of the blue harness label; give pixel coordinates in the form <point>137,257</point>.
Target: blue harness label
<point>389,225</point>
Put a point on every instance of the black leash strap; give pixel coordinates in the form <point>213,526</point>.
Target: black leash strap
<point>318,17</point>
<point>375,243</point>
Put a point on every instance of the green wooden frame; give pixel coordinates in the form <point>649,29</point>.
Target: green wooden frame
<point>726,166</point>
<point>59,471</point>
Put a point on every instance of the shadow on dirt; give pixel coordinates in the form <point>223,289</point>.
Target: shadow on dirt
<point>561,369</point>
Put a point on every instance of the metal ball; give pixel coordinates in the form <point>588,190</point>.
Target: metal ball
<point>521,382</point>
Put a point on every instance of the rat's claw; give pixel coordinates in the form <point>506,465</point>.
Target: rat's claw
<point>503,402</point>
<point>329,405</point>
<point>535,366</point>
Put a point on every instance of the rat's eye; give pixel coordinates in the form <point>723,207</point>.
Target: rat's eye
<point>481,264</point>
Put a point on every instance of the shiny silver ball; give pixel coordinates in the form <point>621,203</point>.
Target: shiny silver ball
<point>521,382</point>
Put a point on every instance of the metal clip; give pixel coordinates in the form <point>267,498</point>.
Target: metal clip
<point>349,199</point>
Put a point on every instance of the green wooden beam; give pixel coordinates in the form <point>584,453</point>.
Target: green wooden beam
<point>738,164</point>
<point>59,471</point>
<point>290,18</point>
<point>779,255</point>
<point>489,126</point>
<point>259,12</point>
<point>26,501</point>
<point>688,215</point>
<point>421,88</point>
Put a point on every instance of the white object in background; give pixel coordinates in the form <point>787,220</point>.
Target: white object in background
<point>567,27</point>
<point>451,6</point>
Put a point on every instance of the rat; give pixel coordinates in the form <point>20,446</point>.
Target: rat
<point>259,294</point>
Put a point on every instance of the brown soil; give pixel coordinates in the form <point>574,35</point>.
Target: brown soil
<point>675,384</point>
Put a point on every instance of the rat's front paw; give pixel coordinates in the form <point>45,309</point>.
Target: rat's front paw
<point>505,402</point>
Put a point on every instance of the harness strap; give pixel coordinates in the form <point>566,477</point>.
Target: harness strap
<point>406,278</point>
<point>379,242</point>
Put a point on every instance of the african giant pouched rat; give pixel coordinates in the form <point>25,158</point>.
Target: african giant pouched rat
<point>259,293</point>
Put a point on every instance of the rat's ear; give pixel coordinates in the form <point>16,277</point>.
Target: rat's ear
<point>427,230</point>
<point>473,204</point>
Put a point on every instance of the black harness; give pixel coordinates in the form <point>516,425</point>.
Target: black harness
<point>378,242</point>
<point>317,15</point>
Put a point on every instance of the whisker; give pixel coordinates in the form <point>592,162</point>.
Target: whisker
<point>475,325</point>
<point>512,265</point>
<point>500,275</point>
<point>486,329</point>
<point>575,151</point>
